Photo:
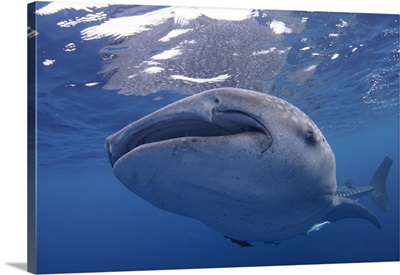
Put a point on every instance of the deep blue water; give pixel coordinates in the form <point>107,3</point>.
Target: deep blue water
<point>88,221</point>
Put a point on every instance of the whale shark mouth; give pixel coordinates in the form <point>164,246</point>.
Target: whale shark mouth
<point>221,124</point>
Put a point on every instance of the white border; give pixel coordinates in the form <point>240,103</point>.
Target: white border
<point>13,128</point>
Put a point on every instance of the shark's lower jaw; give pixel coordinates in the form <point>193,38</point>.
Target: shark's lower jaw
<point>220,124</point>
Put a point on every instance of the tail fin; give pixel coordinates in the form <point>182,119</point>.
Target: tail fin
<point>378,181</point>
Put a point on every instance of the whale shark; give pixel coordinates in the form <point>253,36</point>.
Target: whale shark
<point>249,165</point>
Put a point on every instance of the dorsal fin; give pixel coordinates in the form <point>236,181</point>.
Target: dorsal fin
<point>349,184</point>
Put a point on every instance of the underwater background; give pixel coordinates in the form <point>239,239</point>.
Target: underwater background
<point>94,77</point>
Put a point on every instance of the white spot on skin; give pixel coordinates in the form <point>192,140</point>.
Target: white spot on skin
<point>295,119</point>
<point>280,107</point>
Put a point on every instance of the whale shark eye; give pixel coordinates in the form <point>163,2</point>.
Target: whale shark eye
<point>310,136</point>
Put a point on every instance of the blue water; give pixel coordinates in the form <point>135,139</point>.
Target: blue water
<point>88,221</point>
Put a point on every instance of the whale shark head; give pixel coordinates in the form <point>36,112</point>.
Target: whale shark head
<point>249,165</point>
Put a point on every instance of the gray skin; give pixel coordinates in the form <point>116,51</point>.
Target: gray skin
<point>249,165</point>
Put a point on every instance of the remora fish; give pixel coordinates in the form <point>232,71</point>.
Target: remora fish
<point>249,165</point>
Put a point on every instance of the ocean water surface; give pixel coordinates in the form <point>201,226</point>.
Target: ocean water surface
<point>102,67</point>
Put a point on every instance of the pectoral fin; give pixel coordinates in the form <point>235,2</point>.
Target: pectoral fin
<point>343,208</point>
